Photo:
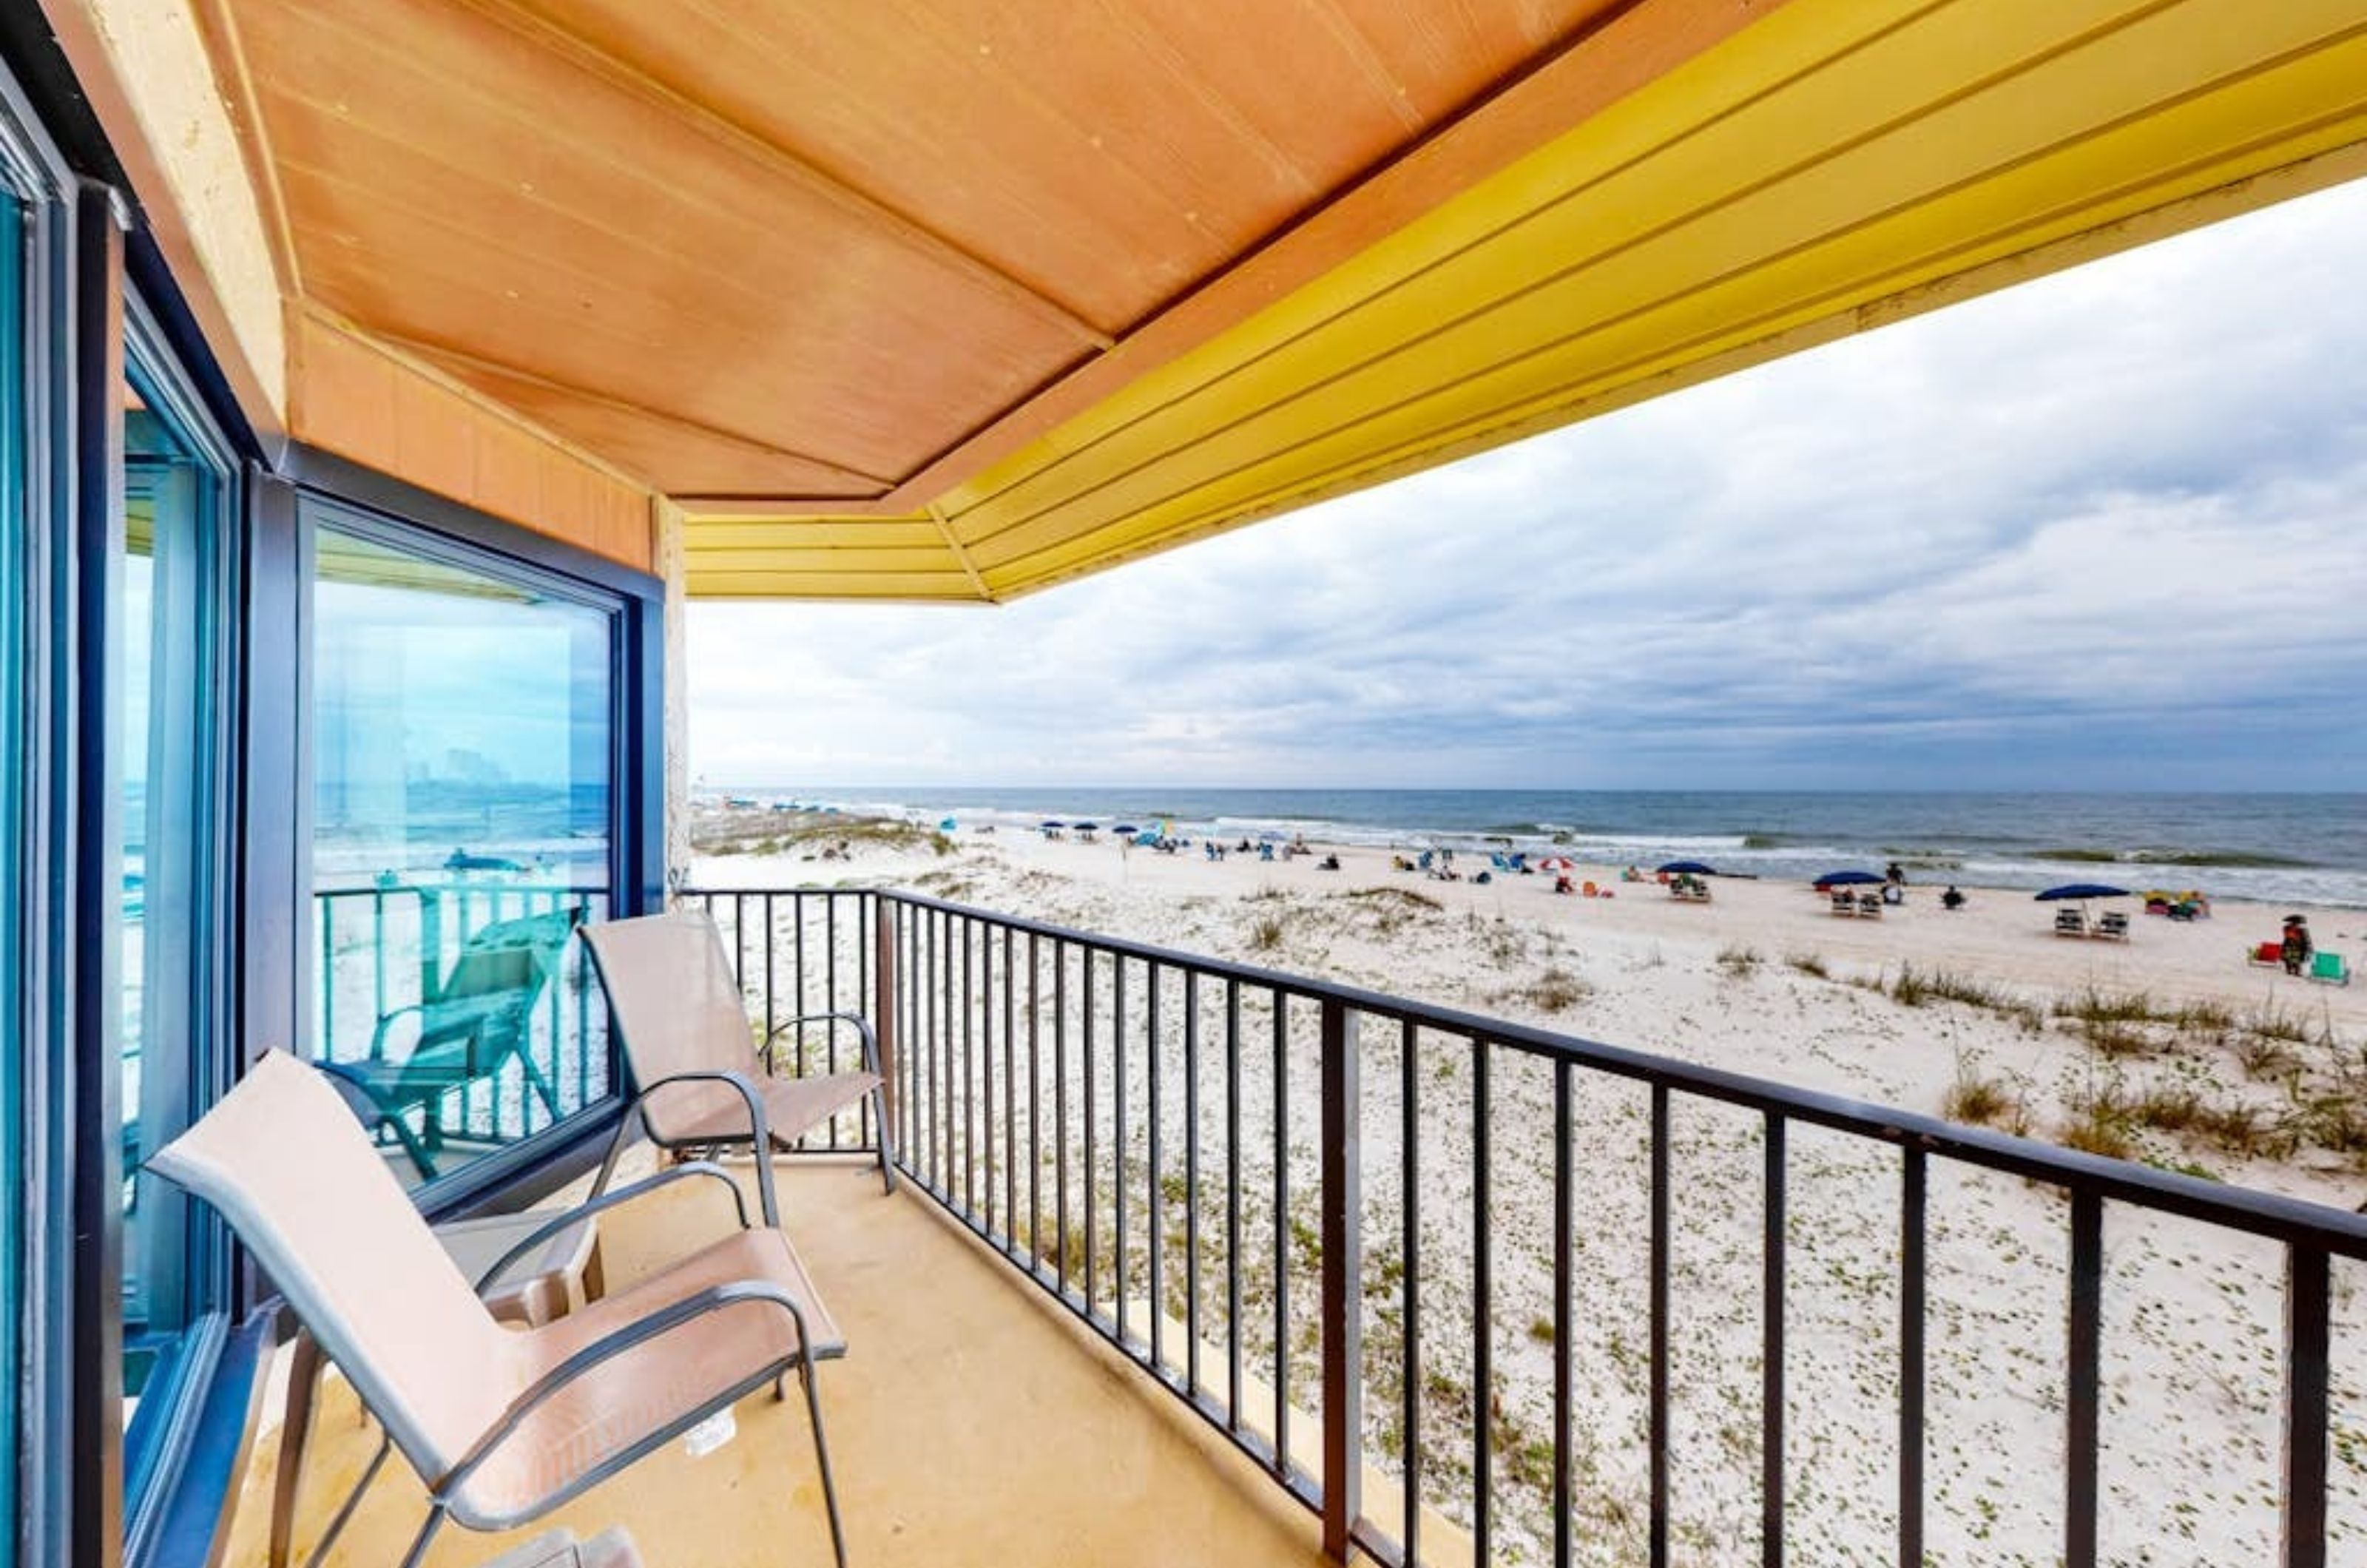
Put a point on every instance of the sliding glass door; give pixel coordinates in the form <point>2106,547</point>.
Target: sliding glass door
<point>175,716</point>
<point>463,827</point>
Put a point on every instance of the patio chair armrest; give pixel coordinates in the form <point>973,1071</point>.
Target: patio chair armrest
<point>561,1220</point>
<point>863,1029</point>
<point>674,1316</point>
<point>378,1033</point>
<point>759,1125</point>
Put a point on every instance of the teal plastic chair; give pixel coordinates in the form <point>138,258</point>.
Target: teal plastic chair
<point>2329,969</point>
<point>478,1021</point>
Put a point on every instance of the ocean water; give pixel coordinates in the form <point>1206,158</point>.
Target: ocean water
<point>2297,848</point>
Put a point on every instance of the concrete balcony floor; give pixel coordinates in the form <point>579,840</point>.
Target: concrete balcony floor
<point>969,1422</point>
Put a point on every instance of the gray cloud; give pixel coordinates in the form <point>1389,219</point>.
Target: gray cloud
<point>2106,530</point>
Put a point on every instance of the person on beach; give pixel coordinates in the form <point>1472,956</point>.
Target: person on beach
<point>1895,874</point>
<point>1952,899</point>
<point>2295,948</point>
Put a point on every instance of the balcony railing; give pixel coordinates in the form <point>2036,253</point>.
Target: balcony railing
<point>1351,1231</point>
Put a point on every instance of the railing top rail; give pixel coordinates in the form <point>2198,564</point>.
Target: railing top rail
<point>364,889</point>
<point>2291,1220</point>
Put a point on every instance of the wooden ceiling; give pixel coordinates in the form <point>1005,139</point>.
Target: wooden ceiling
<point>954,298</point>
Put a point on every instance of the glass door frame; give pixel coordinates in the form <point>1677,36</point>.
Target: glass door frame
<point>206,1006</point>
<point>37,697</point>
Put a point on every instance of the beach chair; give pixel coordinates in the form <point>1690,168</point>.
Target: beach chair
<point>2113,926</point>
<point>1844,903</point>
<point>2329,969</point>
<point>684,1028</point>
<point>2070,922</point>
<point>502,1426</point>
<point>2266,956</point>
<point>479,1019</point>
<point>1869,906</point>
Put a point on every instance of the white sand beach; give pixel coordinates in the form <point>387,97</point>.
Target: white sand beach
<point>2186,1057</point>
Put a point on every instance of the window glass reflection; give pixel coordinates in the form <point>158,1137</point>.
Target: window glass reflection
<point>462,832</point>
<point>170,720</point>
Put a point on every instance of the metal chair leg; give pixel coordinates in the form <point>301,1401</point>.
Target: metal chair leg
<point>418,1551</point>
<point>887,1144</point>
<point>821,1461</point>
<point>353,1499</point>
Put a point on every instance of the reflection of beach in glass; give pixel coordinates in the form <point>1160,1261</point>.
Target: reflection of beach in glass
<point>532,1045</point>
<point>460,830</point>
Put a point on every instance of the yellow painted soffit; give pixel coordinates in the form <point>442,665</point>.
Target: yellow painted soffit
<point>909,558</point>
<point>1836,165</point>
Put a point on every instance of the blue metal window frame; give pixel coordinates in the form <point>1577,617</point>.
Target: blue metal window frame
<point>157,1443</point>
<point>59,1482</point>
<point>17,238</point>
<point>334,492</point>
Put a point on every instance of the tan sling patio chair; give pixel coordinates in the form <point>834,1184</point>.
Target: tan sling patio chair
<point>684,1027</point>
<point>500,1426</point>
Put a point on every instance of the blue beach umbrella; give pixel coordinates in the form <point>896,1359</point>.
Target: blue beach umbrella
<point>2082,890</point>
<point>1087,827</point>
<point>1125,829</point>
<point>1848,879</point>
<point>1688,868</point>
<point>1050,826</point>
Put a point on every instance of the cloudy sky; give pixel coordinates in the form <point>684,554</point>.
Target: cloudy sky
<point>2105,531</point>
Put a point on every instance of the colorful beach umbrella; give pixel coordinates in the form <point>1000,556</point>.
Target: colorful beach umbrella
<point>2082,890</point>
<point>1557,862</point>
<point>1688,868</point>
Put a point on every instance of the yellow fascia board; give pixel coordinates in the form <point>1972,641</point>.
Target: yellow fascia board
<point>915,588</point>
<point>826,557</point>
<point>1829,157</point>
<point>813,533</point>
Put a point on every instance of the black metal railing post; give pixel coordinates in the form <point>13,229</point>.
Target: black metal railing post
<point>1344,1272</point>
<point>2308,1345</point>
<point>883,1000</point>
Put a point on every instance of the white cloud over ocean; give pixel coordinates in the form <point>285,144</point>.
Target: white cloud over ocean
<point>2108,530</point>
